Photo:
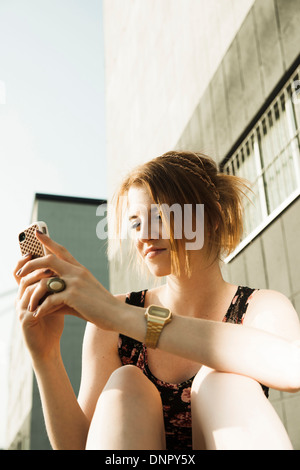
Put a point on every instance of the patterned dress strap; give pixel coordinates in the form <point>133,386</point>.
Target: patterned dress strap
<point>239,305</point>
<point>136,298</point>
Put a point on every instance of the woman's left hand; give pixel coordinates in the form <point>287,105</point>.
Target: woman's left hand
<point>83,296</point>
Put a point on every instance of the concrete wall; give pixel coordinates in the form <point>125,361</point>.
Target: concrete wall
<point>159,59</point>
<point>265,47</point>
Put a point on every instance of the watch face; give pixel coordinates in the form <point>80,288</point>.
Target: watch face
<point>159,311</point>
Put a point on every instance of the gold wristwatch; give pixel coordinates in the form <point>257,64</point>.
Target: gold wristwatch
<point>157,318</point>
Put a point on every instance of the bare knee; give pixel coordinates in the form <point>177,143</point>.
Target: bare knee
<point>232,412</point>
<point>199,379</point>
<point>213,389</point>
<point>128,414</point>
<point>213,396</point>
<point>134,392</point>
<point>209,381</point>
<point>125,376</point>
<point>131,381</point>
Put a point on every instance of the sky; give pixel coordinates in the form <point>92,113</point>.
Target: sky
<point>52,118</point>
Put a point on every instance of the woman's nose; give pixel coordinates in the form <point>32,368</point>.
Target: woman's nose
<point>145,232</point>
<point>149,230</point>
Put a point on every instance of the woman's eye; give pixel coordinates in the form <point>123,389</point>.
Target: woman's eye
<point>156,217</point>
<point>135,225</point>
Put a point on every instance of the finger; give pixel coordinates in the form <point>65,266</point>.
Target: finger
<point>33,278</point>
<point>22,306</point>
<point>53,303</point>
<point>20,265</point>
<point>51,262</point>
<point>24,300</point>
<point>56,248</point>
<point>39,295</point>
<point>49,305</point>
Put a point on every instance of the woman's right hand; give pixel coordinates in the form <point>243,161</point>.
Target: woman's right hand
<point>42,336</point>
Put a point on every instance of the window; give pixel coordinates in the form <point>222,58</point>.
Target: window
<point>269,158</point>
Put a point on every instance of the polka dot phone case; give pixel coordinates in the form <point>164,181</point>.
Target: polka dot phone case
<point>28,241</point>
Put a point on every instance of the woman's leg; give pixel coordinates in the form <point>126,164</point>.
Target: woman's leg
<point>128,414</point>
<point>230,412</point>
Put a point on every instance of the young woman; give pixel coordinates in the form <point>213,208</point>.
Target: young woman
<point>191,372</point>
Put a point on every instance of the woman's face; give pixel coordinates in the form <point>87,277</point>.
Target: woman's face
<point>147,232</point>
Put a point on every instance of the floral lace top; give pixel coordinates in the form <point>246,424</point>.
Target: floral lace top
<point>176,398</point>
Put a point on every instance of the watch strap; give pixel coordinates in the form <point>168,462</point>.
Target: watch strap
<point>154,330</point>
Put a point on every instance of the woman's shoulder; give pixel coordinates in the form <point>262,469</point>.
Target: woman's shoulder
<point>143,297</point>
<point>270,299</point>
<point>121,297</point>
<point>272,311</point>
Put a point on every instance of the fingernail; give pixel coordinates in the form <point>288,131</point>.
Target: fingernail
<point>29,308</point>
<point>48,271</point>
<point>35,313</point>
<point>26,256</point>
<point>19,272</point>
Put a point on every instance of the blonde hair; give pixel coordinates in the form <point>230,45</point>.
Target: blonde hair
<point>190,178</point>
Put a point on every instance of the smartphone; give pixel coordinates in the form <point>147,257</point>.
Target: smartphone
<point>28,241</point>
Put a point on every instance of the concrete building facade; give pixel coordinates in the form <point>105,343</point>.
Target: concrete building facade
<point>222,78</point>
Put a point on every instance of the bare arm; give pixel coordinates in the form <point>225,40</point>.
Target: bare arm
<point>66,424</point>
<point>99,359</point>
<point>266,348</point>
<point>68,419</point>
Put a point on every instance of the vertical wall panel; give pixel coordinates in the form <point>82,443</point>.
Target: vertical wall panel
<point>276,262</point>
<point>220,110</point>
<point>271,60</point>
<point>250,66</point>
<point>291,226</point>
<point>289,20</point>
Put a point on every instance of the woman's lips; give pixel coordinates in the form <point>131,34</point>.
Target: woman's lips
<point>152,252</point>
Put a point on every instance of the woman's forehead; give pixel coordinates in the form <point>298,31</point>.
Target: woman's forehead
<point>139,195</point>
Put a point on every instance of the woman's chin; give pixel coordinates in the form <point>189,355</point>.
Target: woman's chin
<point>159,271</point>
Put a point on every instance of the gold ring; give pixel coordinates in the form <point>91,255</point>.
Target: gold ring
<point>55,284</point>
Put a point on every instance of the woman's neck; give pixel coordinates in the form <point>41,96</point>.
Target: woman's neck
<point>201,295</point>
